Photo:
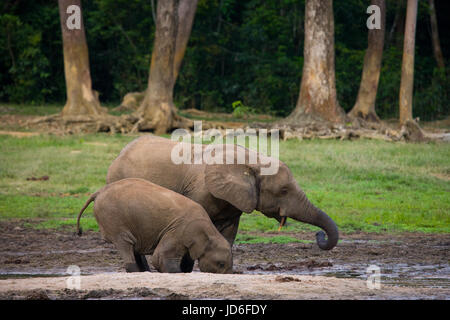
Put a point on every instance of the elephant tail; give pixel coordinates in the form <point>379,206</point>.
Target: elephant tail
<point>91,198</point>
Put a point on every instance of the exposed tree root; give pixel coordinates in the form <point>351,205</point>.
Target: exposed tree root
<point>83,124</point>
<point>412,132</point>
<point>160,120</point>
<point>357,128</point>
<point>133,123</point>
<point>301,120</point>
<point>131,101</point>
<point>371,116</point>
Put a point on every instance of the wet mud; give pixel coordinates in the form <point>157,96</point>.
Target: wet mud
<point>408,260</point>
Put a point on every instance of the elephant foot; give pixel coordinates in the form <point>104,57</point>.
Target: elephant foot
<point>141,262</point>
<point>187,264</point>
<point>132,267</point>
<point>170,265</point>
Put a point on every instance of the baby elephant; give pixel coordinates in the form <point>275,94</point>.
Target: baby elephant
<point>142,218</point>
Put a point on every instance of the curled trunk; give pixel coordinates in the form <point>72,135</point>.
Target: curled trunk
<point>316,217</point>
<point>326,223</point>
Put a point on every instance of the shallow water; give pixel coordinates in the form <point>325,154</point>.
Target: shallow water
<point>427,276</point>
<point>46,273</point>
<point>48,252</point>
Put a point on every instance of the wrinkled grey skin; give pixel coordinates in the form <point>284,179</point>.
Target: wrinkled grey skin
<point>225,190</point>
<point>141,218</point>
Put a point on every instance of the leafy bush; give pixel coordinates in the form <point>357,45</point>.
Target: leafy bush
<point>240,110</point>
<point>432,101</point>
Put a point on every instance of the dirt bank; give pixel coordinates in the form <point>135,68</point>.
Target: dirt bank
<point>412,266</point>
<point>199,285</point>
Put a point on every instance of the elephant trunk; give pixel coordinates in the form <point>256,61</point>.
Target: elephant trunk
<point>314,216</point>
<point>326,223</point>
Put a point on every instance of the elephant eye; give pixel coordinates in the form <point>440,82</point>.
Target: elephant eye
<point>221,264</point>
<point>284,191</point>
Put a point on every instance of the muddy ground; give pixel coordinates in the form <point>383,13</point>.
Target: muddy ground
<point>33,265</point>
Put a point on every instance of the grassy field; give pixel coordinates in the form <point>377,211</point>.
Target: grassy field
<point>364,185</point>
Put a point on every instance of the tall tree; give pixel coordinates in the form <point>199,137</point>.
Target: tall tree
<point>407,79</point>
<point>81,99</point>
<point>367,94</point>
<point>318,99</point>
<point>435,36</point>
<point>157,111</point>
<point>186,14</point>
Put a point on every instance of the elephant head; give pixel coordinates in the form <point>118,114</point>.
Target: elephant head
<point>277,196</point>
<point>208,246</point>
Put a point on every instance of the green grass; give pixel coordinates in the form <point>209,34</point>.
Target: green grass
<point>47,109</point>
<point>364,185</point>
<point>38,109</point>
<point>87,223</point>
<point>232,118</point>
<point>30,110</point>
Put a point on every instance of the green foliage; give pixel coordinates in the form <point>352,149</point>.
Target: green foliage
<point>251,51</point>
<point>240,110</point>
<point>120,37</point>
<point>389,85</point>
<point>28,67</point>
<point>433,100</point>
<point>350,66</point>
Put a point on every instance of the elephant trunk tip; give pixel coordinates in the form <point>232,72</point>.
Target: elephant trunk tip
<point>325,244</point>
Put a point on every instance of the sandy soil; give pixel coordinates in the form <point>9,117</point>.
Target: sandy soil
<point>33,265</point>
<point>199,285</point>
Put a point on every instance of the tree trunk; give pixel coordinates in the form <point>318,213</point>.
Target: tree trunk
<point>81,99</point>
<point>186,14</point>
<point>435,36</point>
<point>317,99</point>
<point>157,110</point>
<point>407,79</point>
<point>365,102</point>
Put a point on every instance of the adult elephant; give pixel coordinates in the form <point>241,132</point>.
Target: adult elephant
<point>224,190</point>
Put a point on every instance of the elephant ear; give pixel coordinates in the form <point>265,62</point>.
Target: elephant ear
<point>234,183</point>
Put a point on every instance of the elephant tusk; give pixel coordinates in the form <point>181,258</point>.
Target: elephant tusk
<point>282,222</point>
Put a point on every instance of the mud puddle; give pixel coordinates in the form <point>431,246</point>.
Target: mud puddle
<point>405,260</point>
<point>30,253</point>
<point>426,276</point>
<point>46,273</point>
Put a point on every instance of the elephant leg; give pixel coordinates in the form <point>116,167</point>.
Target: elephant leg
<point>141,261</point>
<point>126,251</point>
<point>230,229</point>
<point>165,258</point>
<point>187,264</point>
